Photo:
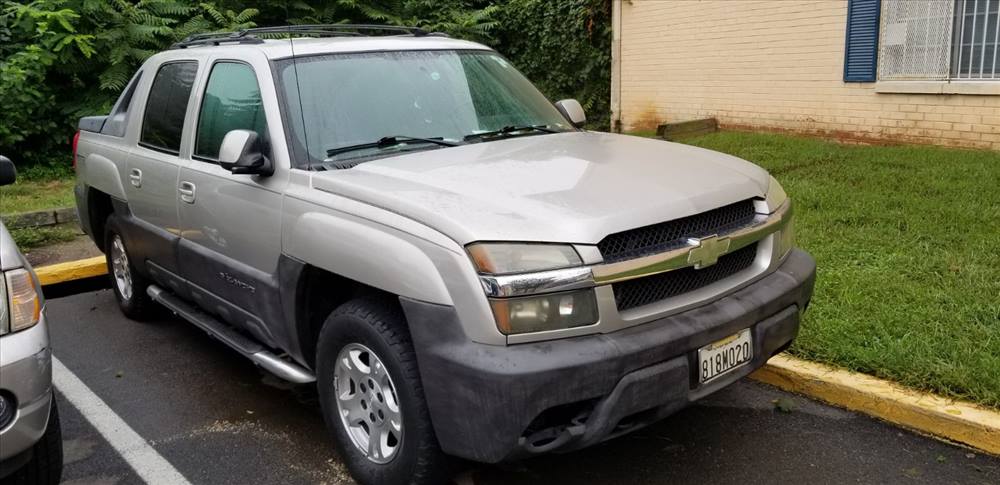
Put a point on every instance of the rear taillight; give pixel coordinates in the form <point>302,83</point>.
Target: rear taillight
<point>76,141</point>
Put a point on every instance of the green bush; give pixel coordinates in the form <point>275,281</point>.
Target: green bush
<point>63,59</point>
<point>563,46</point>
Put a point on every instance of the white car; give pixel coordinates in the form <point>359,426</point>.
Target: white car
<point>30,437</point>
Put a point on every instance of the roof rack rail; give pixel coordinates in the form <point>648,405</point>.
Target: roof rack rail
<point>251,36</point>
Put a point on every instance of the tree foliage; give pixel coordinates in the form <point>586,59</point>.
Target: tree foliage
<point>564,47</point>
<point>63,59</point>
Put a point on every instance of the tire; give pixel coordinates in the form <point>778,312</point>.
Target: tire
<point>377,326</point>
<point>127,283</point>
<point>45,466</point>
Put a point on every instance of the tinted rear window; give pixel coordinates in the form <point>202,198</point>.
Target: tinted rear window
<point>163,121</point>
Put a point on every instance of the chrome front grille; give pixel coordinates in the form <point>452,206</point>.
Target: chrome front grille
<point>657,238</point>
<point>644,288</point>
<point>651,289</point>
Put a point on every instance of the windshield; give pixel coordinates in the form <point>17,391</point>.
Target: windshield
<point>346,100</point>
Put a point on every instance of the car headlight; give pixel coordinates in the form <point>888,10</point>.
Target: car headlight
<point>776,197</point>
<point>23,302</point>
<point>519,270</point>
<point>545,312</point>
<point>507,258</point>
<point>4,321</point>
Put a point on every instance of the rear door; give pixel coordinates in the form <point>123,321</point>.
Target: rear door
<point>153,168</point>
<point>231,223</point>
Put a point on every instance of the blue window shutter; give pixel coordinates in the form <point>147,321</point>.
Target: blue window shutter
<point>861,52</point>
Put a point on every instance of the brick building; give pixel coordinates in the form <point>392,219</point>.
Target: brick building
<point>923,71</point>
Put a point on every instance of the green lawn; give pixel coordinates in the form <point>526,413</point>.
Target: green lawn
<point>33,193</point>
<point>907,240</point>
<point>28,195</point>
<point>34,237</point>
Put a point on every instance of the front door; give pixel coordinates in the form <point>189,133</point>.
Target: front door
<point>231,238</point>
<point>153,167</point>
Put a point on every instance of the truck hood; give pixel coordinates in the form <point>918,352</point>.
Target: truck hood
<point>573,187</point>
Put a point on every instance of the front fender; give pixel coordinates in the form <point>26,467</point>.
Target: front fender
<point>376,256</point>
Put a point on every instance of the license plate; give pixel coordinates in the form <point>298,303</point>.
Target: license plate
<point>725,355</point>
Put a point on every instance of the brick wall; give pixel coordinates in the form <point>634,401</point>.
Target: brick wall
<point>775,64</point>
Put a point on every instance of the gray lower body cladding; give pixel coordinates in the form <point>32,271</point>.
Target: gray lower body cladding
<point>493,404</point>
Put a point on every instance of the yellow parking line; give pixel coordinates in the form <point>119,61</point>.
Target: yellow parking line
<point>953,420</point>
<point>70,271</point>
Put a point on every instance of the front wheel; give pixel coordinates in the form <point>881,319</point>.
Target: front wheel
<point>372,398</point>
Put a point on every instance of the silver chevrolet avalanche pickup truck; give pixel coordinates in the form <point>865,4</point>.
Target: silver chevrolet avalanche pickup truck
<point>403,219</point>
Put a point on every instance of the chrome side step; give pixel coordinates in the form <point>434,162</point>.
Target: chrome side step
<point>254,351</point>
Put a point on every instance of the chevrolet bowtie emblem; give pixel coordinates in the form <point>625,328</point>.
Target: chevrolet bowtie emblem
<point>706,251</point>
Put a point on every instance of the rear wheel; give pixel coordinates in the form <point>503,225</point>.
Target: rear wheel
<point>129,286</point>
<point>45,466</point>
<point>372,398</point>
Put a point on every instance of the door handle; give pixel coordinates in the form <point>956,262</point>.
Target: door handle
<point>135,177</point>
<point>186,190</point>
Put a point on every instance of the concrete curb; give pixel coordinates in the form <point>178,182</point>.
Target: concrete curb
<point>956,421</point>
<point>42,218</point>
<point>952,420</point>
<point>71,271</point>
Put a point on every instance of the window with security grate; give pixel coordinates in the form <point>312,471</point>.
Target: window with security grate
<point>939,40</point>
<point>977,40</point>
<point>915,41</point>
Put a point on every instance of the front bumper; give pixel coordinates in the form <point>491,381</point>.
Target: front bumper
<point>26,375</point>
<point>492,404</point>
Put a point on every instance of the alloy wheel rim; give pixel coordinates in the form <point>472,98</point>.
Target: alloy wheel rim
<point>120,268</point>
<point>368,404</point>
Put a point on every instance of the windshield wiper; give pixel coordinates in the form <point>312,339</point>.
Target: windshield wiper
<point>509,131</point>
<point>391,141</point>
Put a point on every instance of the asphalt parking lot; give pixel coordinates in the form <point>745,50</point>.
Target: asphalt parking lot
<point>164,401</point>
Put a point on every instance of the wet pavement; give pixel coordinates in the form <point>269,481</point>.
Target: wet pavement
<point>218,419</point>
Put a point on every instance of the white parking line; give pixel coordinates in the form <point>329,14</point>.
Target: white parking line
<point>146,462</point>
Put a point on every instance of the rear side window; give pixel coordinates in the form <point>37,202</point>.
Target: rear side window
<point>117,120</point>
<point>232,102</point>
<point>163,121</point>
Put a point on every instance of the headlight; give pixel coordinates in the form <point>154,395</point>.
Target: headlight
<point>4,321</point>
<point>24,306</point>
<point>531,283</point>
<point>506,258</point>
<point>775,195</point>
<point>545,312</point>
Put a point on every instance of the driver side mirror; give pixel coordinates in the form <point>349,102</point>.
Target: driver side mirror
<point>571,109</point>
<point>8,174</point>
<point>242,153</point>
